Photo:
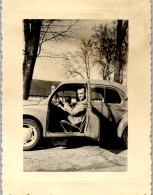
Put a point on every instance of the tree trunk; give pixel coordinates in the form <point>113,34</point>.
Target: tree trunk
<point>122,27</point>
<point>32,35</point>
<point>118,65</point>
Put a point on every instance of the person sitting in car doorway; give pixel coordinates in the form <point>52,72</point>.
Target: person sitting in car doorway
<point>76,113</point>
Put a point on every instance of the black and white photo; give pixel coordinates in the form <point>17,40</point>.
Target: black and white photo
<point>75,91</point>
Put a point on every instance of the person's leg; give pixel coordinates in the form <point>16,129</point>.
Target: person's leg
<point>71,119</point>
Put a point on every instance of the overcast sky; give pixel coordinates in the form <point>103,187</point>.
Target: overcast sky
<point>51,68</point>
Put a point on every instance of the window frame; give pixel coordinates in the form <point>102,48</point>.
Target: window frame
<point>117,90</point>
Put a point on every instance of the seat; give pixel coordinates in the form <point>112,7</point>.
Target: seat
<point>69,127</point>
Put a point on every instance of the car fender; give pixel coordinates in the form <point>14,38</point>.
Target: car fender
<point>122,125</point>
<point>37,112</point>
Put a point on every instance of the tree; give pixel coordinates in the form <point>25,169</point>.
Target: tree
<point>104,46</point>
<point>121,50</point>
<point>79,63</point>
<point>107,48</point>
<point>32,36</point>
<point>36,32</point>
<point>111,49</point>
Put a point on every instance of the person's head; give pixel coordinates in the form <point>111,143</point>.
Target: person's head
<point>81,92</point>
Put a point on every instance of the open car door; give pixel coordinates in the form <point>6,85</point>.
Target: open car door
<point>93,120</point>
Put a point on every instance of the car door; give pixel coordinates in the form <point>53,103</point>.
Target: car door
<point>93,113</point>
<point>105,109</point>
<point>114,104</point>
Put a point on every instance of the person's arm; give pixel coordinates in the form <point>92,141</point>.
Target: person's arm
<point>62,107</point>
<point>73,111</point>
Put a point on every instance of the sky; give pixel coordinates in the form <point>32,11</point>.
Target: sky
<point>51,69</point>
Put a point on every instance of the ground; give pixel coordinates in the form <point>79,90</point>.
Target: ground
<point>74,155</point>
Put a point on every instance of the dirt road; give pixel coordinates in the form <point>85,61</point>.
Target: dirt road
<point>74,155</point>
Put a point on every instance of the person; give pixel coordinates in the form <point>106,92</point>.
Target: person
<point>76,113</point>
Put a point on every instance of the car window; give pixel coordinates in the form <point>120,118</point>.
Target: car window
<point>68,96</point>
<point>112,96</point>
<point>97,94</point>
<point>67,93</point>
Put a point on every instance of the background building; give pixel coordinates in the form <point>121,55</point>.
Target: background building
<point>42,88</point>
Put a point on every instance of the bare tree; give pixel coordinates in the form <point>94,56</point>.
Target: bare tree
<point>36,32</point>
<point>104,46</point>
<point>79,64</point>
<point>72,66</point>
<point>111,49</point>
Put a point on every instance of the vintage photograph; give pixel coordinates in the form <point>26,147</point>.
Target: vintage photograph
<point>75,95</point>
<point>76,87</point>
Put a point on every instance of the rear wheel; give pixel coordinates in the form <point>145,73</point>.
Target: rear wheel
<point>125,137</point>
<point>31,134</point>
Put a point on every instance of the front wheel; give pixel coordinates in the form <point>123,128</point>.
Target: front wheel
<point>31,134</point>
<point>125,137</point>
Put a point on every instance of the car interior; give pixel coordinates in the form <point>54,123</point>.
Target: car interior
<point>58,117</point>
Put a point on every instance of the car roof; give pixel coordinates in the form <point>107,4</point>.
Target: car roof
<point>97,82</point>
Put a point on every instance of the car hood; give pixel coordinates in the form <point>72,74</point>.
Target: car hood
<point>30,102</point>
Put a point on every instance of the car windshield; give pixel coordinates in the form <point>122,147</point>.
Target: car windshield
<point>67,92</point>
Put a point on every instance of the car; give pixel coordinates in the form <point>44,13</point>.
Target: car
<point>106,113</point>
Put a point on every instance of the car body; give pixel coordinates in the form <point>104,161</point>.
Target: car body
<point>106,113</point>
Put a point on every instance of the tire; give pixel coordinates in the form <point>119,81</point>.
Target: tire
<point>31,134</point>
<point>125,137</point>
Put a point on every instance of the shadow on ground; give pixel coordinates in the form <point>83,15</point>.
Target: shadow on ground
<point>115,147</point>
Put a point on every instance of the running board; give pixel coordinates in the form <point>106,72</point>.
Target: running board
<point>64,134</point>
